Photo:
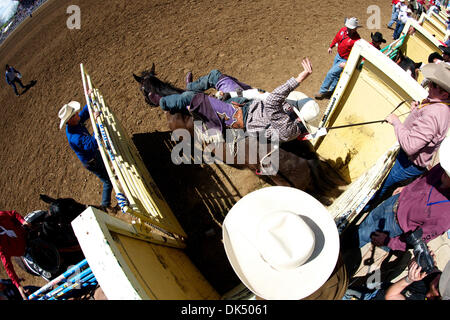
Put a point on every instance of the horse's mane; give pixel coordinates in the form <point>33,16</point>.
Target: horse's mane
<point>154,84</point>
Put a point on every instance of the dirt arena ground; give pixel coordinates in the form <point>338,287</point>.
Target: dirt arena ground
<point>259,42</point>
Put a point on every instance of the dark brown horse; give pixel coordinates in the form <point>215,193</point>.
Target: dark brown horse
<point>299,165</point>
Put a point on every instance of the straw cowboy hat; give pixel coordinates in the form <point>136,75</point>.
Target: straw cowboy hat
<point>67,111</point>
<point>308,109</point>
<point>444,155</point>
<point>439,74</point>
<point>281,242</point>
<point>352,23</point>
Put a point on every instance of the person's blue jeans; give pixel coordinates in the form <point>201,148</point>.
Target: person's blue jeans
<point>394,17</point>
<point>176,103</point>
<point>179,102</point>
<point>332,77</point>
<point>402,170</point>
<point>205,82</point>
<point>398,30</point>
<point>360,295</point>
<point>382,218</point>
<point>13,84</point>
<point>97,167</point>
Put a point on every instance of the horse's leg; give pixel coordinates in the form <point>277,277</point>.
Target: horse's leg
<point>180,121</point>
<point>293,171</point>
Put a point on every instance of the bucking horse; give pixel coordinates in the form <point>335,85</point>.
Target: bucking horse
<point>299,165</point>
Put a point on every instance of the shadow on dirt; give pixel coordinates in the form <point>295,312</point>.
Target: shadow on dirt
<point>200,199</point>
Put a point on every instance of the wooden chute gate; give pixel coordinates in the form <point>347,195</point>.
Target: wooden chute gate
<point>136,192</point>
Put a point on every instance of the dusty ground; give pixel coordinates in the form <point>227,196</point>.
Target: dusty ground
<point>260,42</point>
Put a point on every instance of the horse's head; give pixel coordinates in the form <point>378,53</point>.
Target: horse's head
<point>151,86</point>
<point>62,210</point>
<point>408,64</point>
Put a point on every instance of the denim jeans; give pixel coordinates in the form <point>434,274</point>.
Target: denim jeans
<point>394,17</point>
<point>13,84</point>
<point>97,167</point>
<point>177,102</point>
<point>332,77</point>
<point>398,30</point>
<point>360,295</point>
<point>205,82</point>
<point>382,218</point>
<point>402,170</point>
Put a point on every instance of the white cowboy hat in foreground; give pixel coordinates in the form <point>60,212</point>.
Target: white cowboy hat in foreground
<point>67,111</point>
<point>282,243</point>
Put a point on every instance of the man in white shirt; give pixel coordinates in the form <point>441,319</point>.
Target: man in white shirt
<point>403,16</point>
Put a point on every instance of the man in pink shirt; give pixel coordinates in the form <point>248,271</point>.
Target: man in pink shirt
<point>344,39</point>
<point>12,243</point>
<point>423,203</point>
<point>422,132</point>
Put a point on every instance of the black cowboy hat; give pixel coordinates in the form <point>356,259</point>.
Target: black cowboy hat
<point>377,37</point>
<point>445,50</point>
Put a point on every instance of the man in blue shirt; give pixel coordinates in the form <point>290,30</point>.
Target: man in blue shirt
<point>85,146</point>
<point>12,76</point>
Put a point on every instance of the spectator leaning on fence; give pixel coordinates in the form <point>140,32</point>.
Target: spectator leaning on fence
<point>85,146</point>
<point>422,132</point>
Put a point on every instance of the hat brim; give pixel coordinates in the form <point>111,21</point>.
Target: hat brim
<point>429,70</point>
<point>297,95</point>
<point>75,106</point>
<point>240,231</point>
<point>353,27</point>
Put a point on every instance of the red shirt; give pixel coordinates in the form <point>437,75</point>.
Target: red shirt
<point>345,42</point>
<point>394,2</point>
<point>12,241</point>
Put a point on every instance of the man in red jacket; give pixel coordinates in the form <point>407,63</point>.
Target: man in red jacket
<point>12,243</point>
<point>344,39</point>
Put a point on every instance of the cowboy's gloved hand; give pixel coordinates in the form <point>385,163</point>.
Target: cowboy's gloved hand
<point>380,238</point>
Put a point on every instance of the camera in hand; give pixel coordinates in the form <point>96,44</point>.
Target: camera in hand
<point>421,252</point>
